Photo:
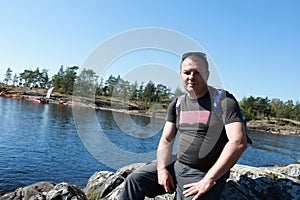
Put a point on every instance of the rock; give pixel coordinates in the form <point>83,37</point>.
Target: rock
<point>275,126</point>
<point>162,197</point>
<point>97,183</point>
<point>37,191</point>
<point>263,183</point>
<point>245,182</point>
<point>46,191</point>
<point>101,184</point>
<point>64,191</point>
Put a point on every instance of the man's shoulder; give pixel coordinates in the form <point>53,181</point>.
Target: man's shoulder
<point>219,93</point>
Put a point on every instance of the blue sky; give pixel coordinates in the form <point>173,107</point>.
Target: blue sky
<point>255,45</point>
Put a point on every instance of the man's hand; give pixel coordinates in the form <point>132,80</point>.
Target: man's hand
<point>166,180</point>
<point>198,188</point>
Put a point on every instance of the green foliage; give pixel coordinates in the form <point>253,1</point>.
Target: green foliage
<point>256,108</point>
<point>44,79</point>
<point>110,85</point>
<point>270,175</point>
<point>143,95</point>
<point>8,75</point>
<point>27,76</point>
<point>64,80</point>
<point>178,92</point>
<point>15,79</point>
<point>86,83</point>
<point>35,76</point>
<point>93,195</point>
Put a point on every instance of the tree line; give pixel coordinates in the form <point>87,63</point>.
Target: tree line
<point>87,82</point>
<point>258,107</point>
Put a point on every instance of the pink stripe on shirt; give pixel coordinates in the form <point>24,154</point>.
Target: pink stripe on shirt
<point>193,117</point>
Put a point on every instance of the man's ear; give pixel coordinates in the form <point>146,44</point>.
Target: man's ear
<point>207,75</point>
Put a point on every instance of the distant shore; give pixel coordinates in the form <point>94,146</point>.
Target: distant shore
<point>272,125</point>
<point>275,126</point>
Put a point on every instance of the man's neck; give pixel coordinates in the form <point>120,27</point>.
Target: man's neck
<point>198,94</point>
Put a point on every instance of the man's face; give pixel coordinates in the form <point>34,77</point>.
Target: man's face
<point>194,76</point>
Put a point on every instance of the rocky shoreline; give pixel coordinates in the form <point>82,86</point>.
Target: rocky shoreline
<point>275,126</point>
<point>245,182</point>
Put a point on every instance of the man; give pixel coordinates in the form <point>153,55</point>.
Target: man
<point>208,145</point>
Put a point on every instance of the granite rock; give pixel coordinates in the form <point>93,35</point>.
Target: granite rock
<point>244,183</point>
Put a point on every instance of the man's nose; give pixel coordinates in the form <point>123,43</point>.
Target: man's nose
<point>191,76</point>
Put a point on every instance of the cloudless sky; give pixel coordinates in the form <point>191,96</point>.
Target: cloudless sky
<point>255,44</point>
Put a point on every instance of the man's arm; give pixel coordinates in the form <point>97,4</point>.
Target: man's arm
<point>164,152</point>
<point>232,151</point>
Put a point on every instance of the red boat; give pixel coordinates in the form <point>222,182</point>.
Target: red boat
<point>10,94</point>
<point>40,100</point>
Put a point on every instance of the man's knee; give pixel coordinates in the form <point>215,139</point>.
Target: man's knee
<point>134,177</point>
<point>143,184</point>
<point>132,188</point>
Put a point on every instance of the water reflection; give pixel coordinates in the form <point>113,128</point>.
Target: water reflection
<point>40,143</point>
<point>270,150</point>
<point>139,127</point>
<point>104,139</point>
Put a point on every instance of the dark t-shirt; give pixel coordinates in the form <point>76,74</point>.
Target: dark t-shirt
<point>202,132</point>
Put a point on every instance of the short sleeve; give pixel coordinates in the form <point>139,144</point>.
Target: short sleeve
<point>231,110</point>
<point>171,113</point>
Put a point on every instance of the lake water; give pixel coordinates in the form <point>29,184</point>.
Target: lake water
<point>60,144</point>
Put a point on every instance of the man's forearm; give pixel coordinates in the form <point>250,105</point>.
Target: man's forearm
<point>229,156</point>
<point>165,146</point>
<point>164,153</point>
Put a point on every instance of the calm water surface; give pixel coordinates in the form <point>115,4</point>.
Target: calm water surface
<point>41,143</point>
